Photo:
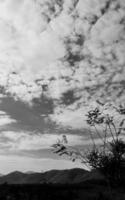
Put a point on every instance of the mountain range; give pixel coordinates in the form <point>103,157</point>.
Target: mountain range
<point>68,176</point>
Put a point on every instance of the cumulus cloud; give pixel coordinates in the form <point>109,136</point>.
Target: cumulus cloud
<point>26,48</point>
<point>71,52</point>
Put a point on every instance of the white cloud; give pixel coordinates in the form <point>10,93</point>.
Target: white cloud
<point>72,118</point>
<point>26,48</point>
<point>62,25</point>
<point>65,48</point>
<point>5,119</point>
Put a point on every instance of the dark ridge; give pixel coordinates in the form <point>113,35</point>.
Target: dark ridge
<point>54,176</point>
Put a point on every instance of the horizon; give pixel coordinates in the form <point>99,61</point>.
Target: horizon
<point>34,172</point>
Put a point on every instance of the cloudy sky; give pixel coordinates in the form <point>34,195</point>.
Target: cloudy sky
<point>57,58</point>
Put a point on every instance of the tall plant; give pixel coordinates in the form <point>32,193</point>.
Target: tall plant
<point>109,156</point>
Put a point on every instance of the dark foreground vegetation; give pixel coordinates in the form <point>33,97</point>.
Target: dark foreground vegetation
<point>92,190</point>
<point>107,123</point>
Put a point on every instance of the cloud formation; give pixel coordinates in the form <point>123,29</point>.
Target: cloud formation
<point>71,52</point>
<point>15,142</point>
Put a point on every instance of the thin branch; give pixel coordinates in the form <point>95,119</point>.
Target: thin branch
<point>111,132</point>
<point>98,134</point>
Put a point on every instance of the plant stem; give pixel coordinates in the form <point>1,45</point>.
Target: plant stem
<point>111,132</point>
<point>93,142</point>
<point>98,133</point>
<point>115,129</point>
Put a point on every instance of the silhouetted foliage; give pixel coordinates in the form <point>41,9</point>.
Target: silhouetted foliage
<point>109,156</point>
<point>86,191</point>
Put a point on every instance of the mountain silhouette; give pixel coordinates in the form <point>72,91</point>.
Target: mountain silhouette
<point>69,176</point>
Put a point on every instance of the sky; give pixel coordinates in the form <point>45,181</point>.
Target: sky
<point>57,59</point>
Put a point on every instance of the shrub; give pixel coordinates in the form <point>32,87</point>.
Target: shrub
<point>109,156</point>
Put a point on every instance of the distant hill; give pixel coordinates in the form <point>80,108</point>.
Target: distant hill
<point>73,176</point>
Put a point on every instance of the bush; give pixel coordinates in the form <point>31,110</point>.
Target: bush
<point>109,157</point>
